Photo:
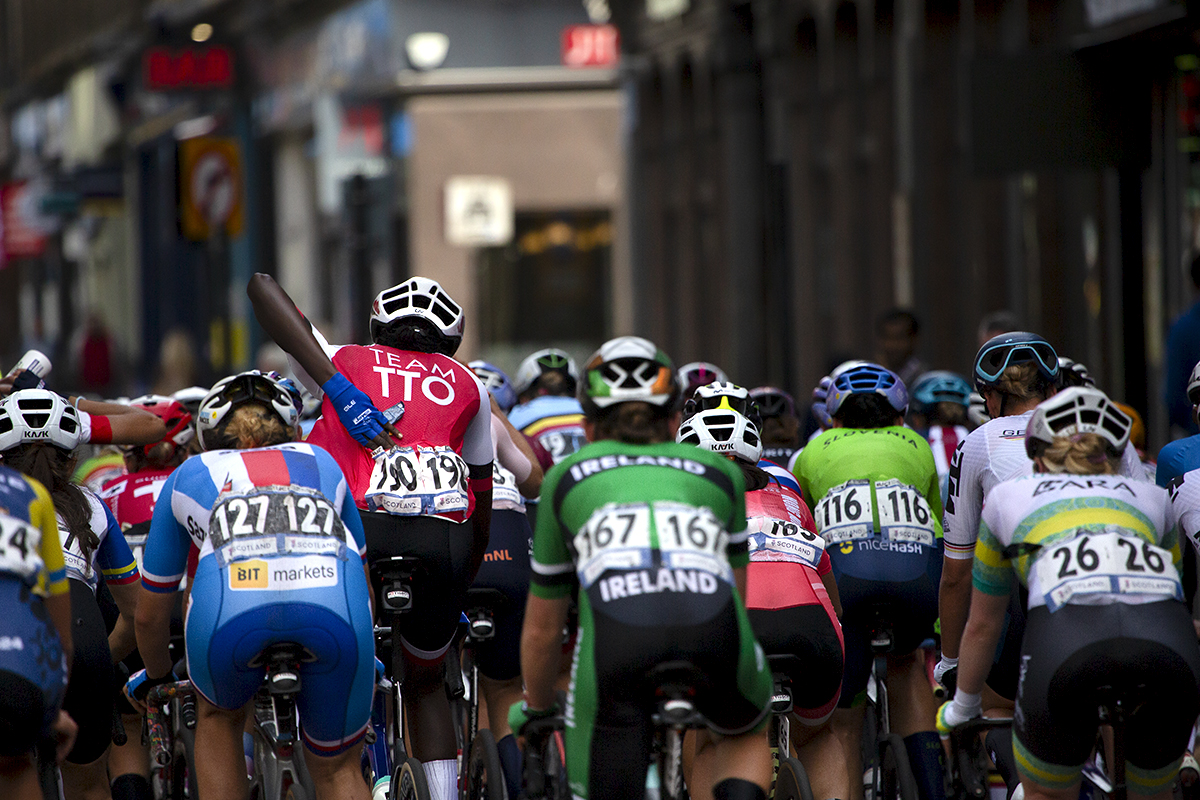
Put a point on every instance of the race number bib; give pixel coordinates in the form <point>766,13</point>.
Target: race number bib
<point>504,489</point>
<point>904,516</point>
<point>623,537</point>
<point>562,443</point>
<point>275,521</point>
<point>783,540</point>
<point>20,548</point>
<point>418,481</point>
<point>845,513</point>
<point>1105,562</point>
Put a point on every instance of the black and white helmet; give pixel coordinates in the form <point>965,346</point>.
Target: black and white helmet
<point>724,432</point>
<point>423,298</point>
<point>535,365</point>
<point>1077,410</point>
<point>1193,386</point>
<point>32,416</point>
<point>245,387</point>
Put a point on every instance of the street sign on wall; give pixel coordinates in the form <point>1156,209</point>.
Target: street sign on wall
<point>590,46</point>
<point>479,211</point>
<point>211,187</point>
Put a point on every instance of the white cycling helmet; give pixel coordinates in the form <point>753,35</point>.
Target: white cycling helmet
<point>32,416</point>
<point>1077,410</point>
<point>538,364</point>
<point>252,386</point>
<point>699,373</point>
<point>720,394</point>
<point>977,412</point>
<point>723,431</point>
<point>1193,386</point>
<point>628,369</point>
<point>422,298</point>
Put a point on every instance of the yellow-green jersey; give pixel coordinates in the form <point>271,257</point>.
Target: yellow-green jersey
<point>1079,539</point>
<point>29,545</point>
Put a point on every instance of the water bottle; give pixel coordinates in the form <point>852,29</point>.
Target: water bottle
<point>382,787</point>
<point>35,361</point>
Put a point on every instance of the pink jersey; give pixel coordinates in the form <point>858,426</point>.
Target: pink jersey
<point>787,555</point>
<point>444,405</point>
<point>131,497</point>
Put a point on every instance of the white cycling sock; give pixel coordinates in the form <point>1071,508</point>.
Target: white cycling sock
<point>443,779</point>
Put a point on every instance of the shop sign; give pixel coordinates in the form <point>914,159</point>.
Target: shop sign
<point>590,46</point>
<point>206,66</point>
<point>210,168</point>
<point>479,211</point>
<point>24,230</point>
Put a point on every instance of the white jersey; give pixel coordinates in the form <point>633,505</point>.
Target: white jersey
<point>1079,539</point>
<point>992,453</point>
<point>1185,499</point>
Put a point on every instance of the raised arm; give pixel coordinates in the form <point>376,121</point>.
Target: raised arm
<point>280,318</point>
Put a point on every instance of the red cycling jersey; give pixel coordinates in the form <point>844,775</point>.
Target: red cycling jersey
<point>444,405</point>
<point>781,573</point>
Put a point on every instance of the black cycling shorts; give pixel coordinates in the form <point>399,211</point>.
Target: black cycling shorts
<point>910,605</point>
<point>506,568</point>
<point>611,699</point>
<point>89,698</point>
<point>439,585</point>
<point>807,633</point>
<point>1069,653</point>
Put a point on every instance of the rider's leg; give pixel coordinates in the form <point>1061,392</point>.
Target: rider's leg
<point>846,725</point>
<point>500,695</point>
<point>913,713</point>
<point>745,757</point>
<point>86,781</point>
<point>338,777</point>
<point>222,771</point>
<point>129,764</point>
<point>820,751</point>
<point>432,726</point>
<point>19,779</point>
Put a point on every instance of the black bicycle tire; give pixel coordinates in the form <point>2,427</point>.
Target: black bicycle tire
<point>408,782</point>
<point>897,781</point>
<point>485,773</point>
<point>791,782</point>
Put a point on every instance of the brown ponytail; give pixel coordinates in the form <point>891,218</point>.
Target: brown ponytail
<point>634,422</point>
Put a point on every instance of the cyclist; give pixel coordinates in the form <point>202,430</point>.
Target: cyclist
<point>442,433</point>
<point>646,596</point>
<point>1182,455</point>
<point>280,560</point>
<point>780,423</point>
<point>547,411</point>
<point>41,434</point>
<point>938,411</point>
<point>516,476</point>
<point>791,597</point>
<point>1105,604</point>
<point>875,496</point>
<point>1013,372</point>
<point>36,632</point>
<point>693,375</point>
<point>131,499</point>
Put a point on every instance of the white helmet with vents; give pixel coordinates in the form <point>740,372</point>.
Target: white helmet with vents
<point>423,298</point>
<point>1073,411</point>
<point>32,416</point>
<point>724,432</point>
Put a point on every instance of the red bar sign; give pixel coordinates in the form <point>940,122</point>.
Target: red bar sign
<point>590,46</point>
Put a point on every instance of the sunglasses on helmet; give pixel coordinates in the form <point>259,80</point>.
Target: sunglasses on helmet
<point>991,363</point>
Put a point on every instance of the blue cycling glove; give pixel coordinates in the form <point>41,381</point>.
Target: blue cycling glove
<point>139,684</point>
<point>358,414</point>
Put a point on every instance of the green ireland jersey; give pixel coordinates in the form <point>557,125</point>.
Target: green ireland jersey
<point>651,532</point>
<point>869,482</point>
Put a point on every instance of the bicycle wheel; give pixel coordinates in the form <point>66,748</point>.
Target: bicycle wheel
<point>896,781</point>
<point>792,781</point>
<point>485,775</point>
<point>409,781</point>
